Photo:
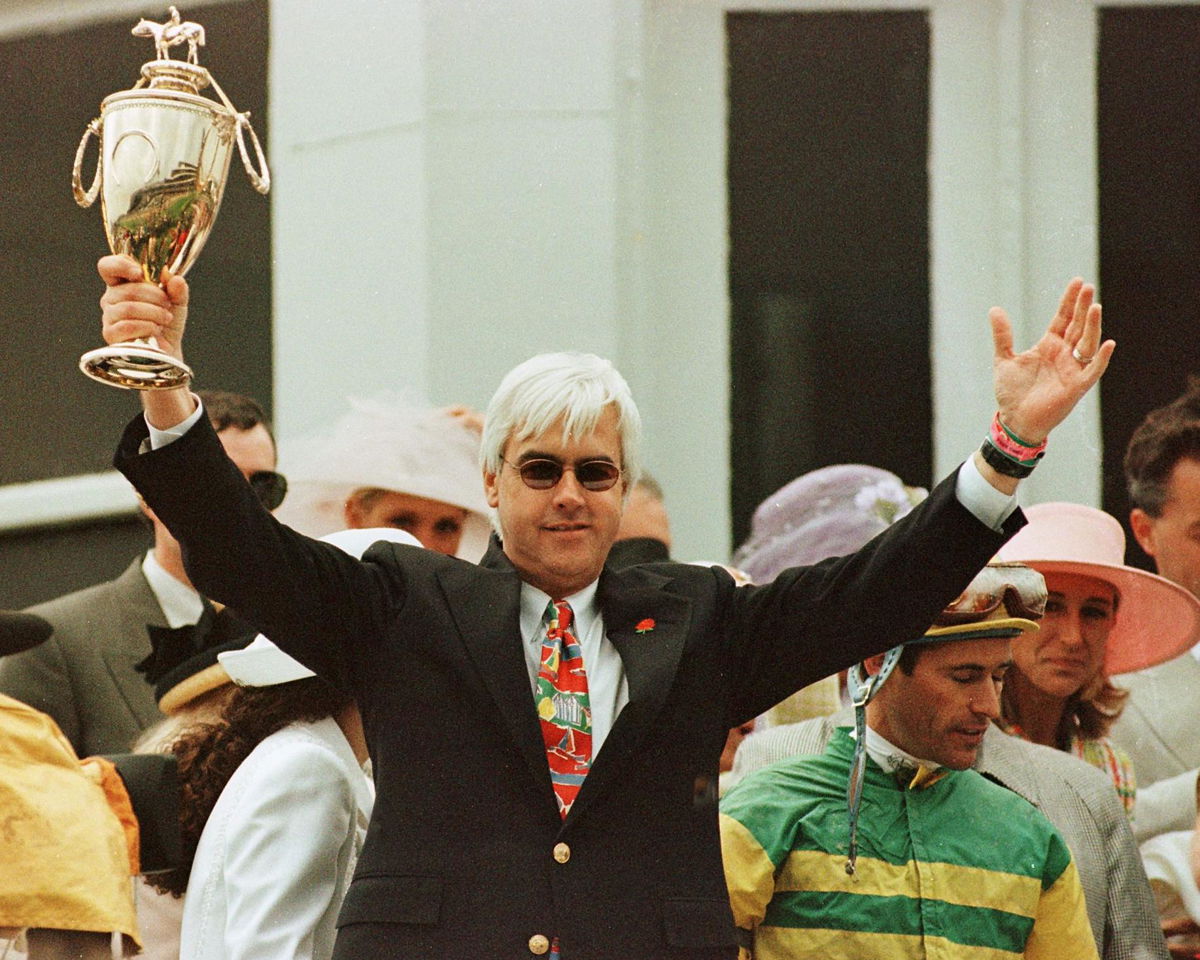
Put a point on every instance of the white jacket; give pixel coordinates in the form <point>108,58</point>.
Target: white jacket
<point>278,851</point>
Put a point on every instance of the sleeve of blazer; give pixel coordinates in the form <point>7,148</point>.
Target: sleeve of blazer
<point>1131,924</point>
<point>1131,927</point>
<point>811,622</point>
<point>311,598</point>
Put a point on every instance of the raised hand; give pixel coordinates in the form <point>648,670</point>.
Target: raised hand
<point>1036,389</point>
<point>132,307</point>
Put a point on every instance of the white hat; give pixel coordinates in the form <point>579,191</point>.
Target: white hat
<point>389,445</point>
<point>262,664</point>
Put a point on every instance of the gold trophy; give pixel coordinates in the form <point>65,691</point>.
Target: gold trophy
<point>163,162</point>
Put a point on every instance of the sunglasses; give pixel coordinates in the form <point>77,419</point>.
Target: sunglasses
<point>270,487</point>
<point>542,474</point>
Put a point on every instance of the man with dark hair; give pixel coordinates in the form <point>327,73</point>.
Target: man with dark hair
<point>887,843</point>
<point>644,535</point>
<point>1160,727</point>
<point>834,511</point>
<point>1162,476</point>
<point>95,675</point>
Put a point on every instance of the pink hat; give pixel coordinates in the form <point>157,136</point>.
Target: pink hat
<point>1156,619</point>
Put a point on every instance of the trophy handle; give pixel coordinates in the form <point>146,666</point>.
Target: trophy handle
<point>260,179</point>
<point>88,197</point>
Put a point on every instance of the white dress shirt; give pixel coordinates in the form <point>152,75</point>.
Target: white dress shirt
<point>181,604</point>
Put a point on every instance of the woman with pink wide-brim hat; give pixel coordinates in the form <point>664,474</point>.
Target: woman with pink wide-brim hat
<point>1102,618</point>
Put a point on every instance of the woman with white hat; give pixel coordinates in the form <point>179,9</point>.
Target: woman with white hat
<point>389,464</point>
<point>1102,618</point>
<point>275,805</point>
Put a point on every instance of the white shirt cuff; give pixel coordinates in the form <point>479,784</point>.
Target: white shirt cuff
<point>988,504</point>
<point>160,438</point>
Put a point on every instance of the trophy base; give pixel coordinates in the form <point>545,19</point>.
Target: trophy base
<point>135,366</point>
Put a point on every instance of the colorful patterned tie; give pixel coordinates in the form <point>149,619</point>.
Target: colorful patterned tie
<point>562,706</point>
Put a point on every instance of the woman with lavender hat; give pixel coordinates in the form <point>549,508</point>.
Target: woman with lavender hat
<point>824,513</point>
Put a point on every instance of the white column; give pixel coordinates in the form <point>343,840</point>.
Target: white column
<point>1012,210</point>
<point>678,354</point>
<point>522,186</point>
<point>349,204</point>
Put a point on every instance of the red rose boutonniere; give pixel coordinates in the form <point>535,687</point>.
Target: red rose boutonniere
<point>645,626</point>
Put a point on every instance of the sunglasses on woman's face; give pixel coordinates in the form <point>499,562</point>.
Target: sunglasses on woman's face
<point>270,487</point>
<point>542,474</point>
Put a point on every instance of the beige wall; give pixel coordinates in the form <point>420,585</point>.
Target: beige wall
<point>460,183</point>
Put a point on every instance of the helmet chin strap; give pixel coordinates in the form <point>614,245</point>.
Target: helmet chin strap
<point>862,690</point>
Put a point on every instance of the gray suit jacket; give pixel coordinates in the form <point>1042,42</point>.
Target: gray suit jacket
<point>1160,726</point>
<point>1076,797</point>
<point>84,675</point>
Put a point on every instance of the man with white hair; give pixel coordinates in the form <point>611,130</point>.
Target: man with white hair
<point>543,728</point>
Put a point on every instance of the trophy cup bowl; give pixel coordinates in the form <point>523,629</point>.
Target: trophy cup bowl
<point>164,154</point>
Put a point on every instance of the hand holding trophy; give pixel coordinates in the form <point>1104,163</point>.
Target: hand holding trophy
<point>163,164</point>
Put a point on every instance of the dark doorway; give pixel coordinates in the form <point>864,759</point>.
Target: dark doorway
<point>1149,174</point>
<point>829,247</point>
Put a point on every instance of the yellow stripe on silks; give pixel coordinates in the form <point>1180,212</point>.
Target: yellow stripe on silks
<point>749,873</point>
<point>799,943</point>
<point>951,883</point>
<point>1061,930</point>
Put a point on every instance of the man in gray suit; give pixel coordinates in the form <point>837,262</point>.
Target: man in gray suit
<point>1074,796</point>
<point>95,676</point>
<point>1160,727</point>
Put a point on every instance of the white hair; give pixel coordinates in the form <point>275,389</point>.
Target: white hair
<point>574,387</point>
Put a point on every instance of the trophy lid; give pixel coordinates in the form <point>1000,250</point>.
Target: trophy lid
<point>176,75</point>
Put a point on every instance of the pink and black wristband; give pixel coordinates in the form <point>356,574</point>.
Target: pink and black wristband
<point>1008,454</point>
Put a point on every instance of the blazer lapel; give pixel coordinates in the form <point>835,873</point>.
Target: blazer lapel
<point>650,658</point>
<point>1001,761</point>
<point>490,626</point>
<point>133,606</point>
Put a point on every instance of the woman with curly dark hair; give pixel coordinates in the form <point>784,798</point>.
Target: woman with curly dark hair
<point>209,754</point>
<point>275,804</point>
<point>1102,618</point>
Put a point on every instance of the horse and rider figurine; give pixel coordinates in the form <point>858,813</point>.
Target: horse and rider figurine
<point>172,34</point>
